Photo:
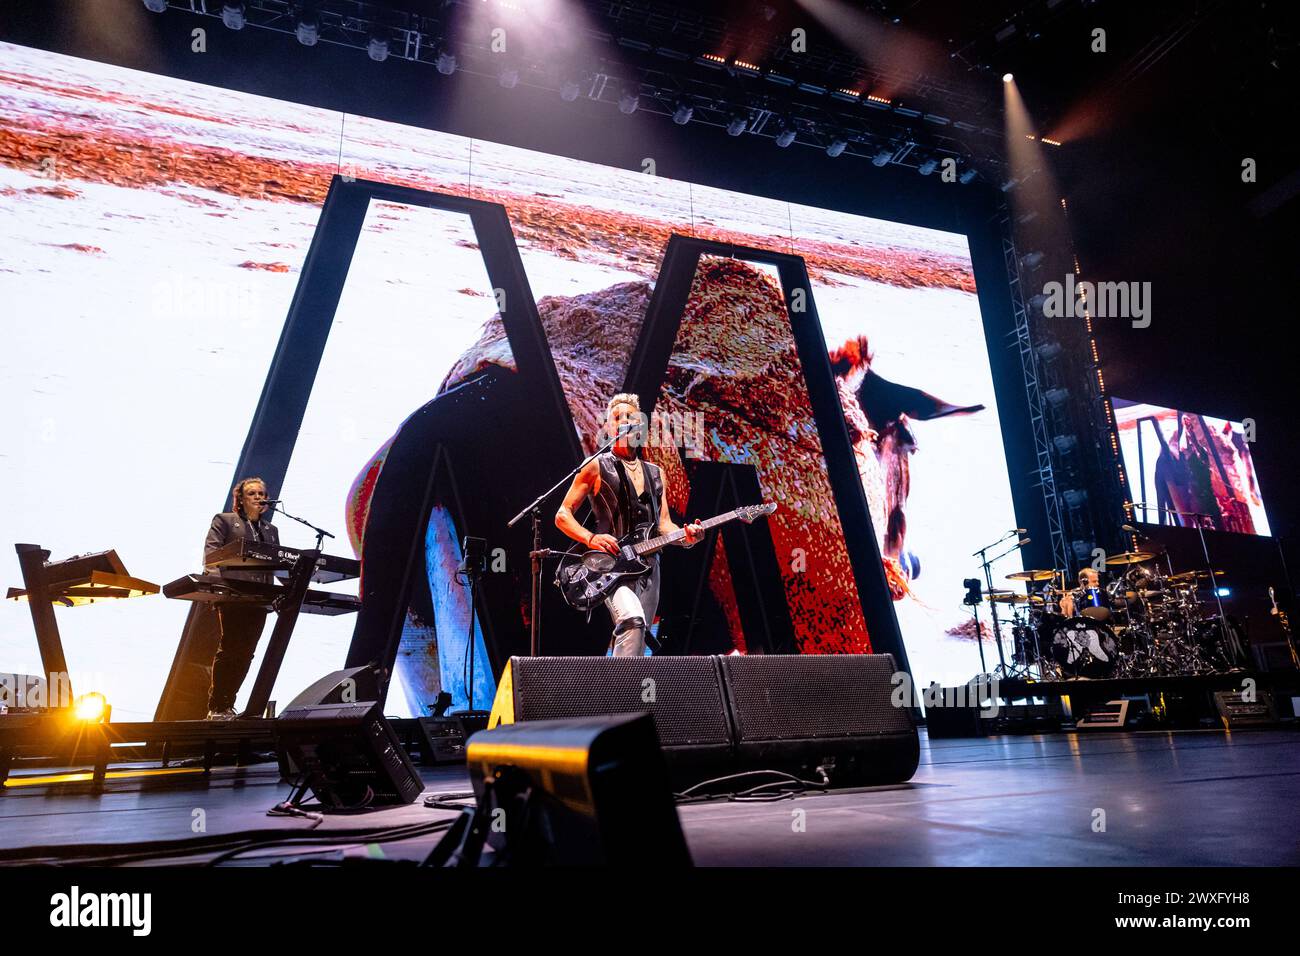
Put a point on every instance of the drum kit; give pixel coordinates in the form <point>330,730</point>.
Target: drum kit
<point>1135,620</point>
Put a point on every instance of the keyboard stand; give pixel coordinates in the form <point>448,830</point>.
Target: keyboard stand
<point>289,606</point>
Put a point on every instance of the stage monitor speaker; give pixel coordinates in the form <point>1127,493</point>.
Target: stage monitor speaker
<point>590,791</point>
<point>347,754</point>
<point>1236,713</point>
<point>798,712</point>
<point>348,686</point>
<point>717,714</point>
<point>683,694</point>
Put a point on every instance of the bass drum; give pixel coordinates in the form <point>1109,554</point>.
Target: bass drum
<point>1083,647</point>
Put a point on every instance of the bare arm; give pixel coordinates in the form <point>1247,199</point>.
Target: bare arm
<point>584,483</point>
<point>666,524</point>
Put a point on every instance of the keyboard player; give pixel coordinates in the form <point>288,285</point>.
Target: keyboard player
<point>240,625</point>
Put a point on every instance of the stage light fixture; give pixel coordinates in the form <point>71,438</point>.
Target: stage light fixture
<point>569,90</point>
<point>928,167</point>
<point>837,147</point>
<point>445,63</point>
<point>785,135</point>
<point>1007,78</point>
<point>90,708</point>
<point>628,102</point>
<point>377,46</point>
<point>307,28</point>
<point>1065,444</point>
<point>1049,351</point>
<point>1036,302</point>
<point>683,112</point>
<point>882,157</point>
<point>155,6</point>
<point>1075,497</point>
<point>737,124</point>
<point>1057,396</point>
<point>966,176</point>
<point>232,14</point>
<point>1009,184</point>
<point>508,77</point>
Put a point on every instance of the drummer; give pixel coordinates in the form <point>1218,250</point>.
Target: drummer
<point>1088,599</point>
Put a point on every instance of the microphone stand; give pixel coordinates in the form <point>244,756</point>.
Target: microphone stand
<point>321,533</point>
<point>982,554</point>
<point>538,554</point>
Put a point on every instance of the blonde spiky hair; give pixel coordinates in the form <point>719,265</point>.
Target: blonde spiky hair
<point>622,398</point>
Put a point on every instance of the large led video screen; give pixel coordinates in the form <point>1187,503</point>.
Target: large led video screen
<point>154,237</point>
<point>1186,469</point>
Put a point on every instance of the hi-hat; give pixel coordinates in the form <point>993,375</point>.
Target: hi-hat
<point>1032,575</point>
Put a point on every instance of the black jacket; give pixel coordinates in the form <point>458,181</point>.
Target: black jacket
<point>227,527</point>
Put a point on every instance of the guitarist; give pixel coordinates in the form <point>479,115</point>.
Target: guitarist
<point>627,494</point>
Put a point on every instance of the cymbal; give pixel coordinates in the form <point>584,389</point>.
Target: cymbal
<point>1191,575</point>
<point>1032,575</point>
<point>1130,557</point>
<point>1007,597</point>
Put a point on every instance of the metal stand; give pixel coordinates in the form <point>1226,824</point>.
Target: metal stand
<point>54,665</point>
<point>288,606</point>
<point>987,563</point>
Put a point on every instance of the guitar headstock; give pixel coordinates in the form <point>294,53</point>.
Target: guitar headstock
<point>748,513</point>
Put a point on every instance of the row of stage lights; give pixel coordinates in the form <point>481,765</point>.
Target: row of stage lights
<point>739,120</point>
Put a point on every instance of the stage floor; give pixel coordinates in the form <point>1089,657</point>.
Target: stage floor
<point>1188,798</point>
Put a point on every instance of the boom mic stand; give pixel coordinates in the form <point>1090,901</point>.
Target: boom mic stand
<point>538,554</point>
<point>987,563</point>
<point>321,533</point>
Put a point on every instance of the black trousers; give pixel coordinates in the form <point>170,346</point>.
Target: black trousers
<point>241,628</point>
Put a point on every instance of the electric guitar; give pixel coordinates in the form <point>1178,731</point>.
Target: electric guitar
<point>586,579</point>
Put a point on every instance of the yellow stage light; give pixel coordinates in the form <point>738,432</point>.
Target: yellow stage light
<point>90,708</point>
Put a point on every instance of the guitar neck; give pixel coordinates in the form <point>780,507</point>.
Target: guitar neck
<point>651,545</point>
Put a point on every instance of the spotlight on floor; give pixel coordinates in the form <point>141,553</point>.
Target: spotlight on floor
<point>1032,260</point>
<point>683,112</point>
<point>837,147</point>
<point>307,28</point>
<point>90,708</point>
<point>737,124</point>
<point>377,47</point>
<point>882,157</point>
<point>445,63</point>
<point>232,14</point>
<point>628,102</point>
<point>155,6</point>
